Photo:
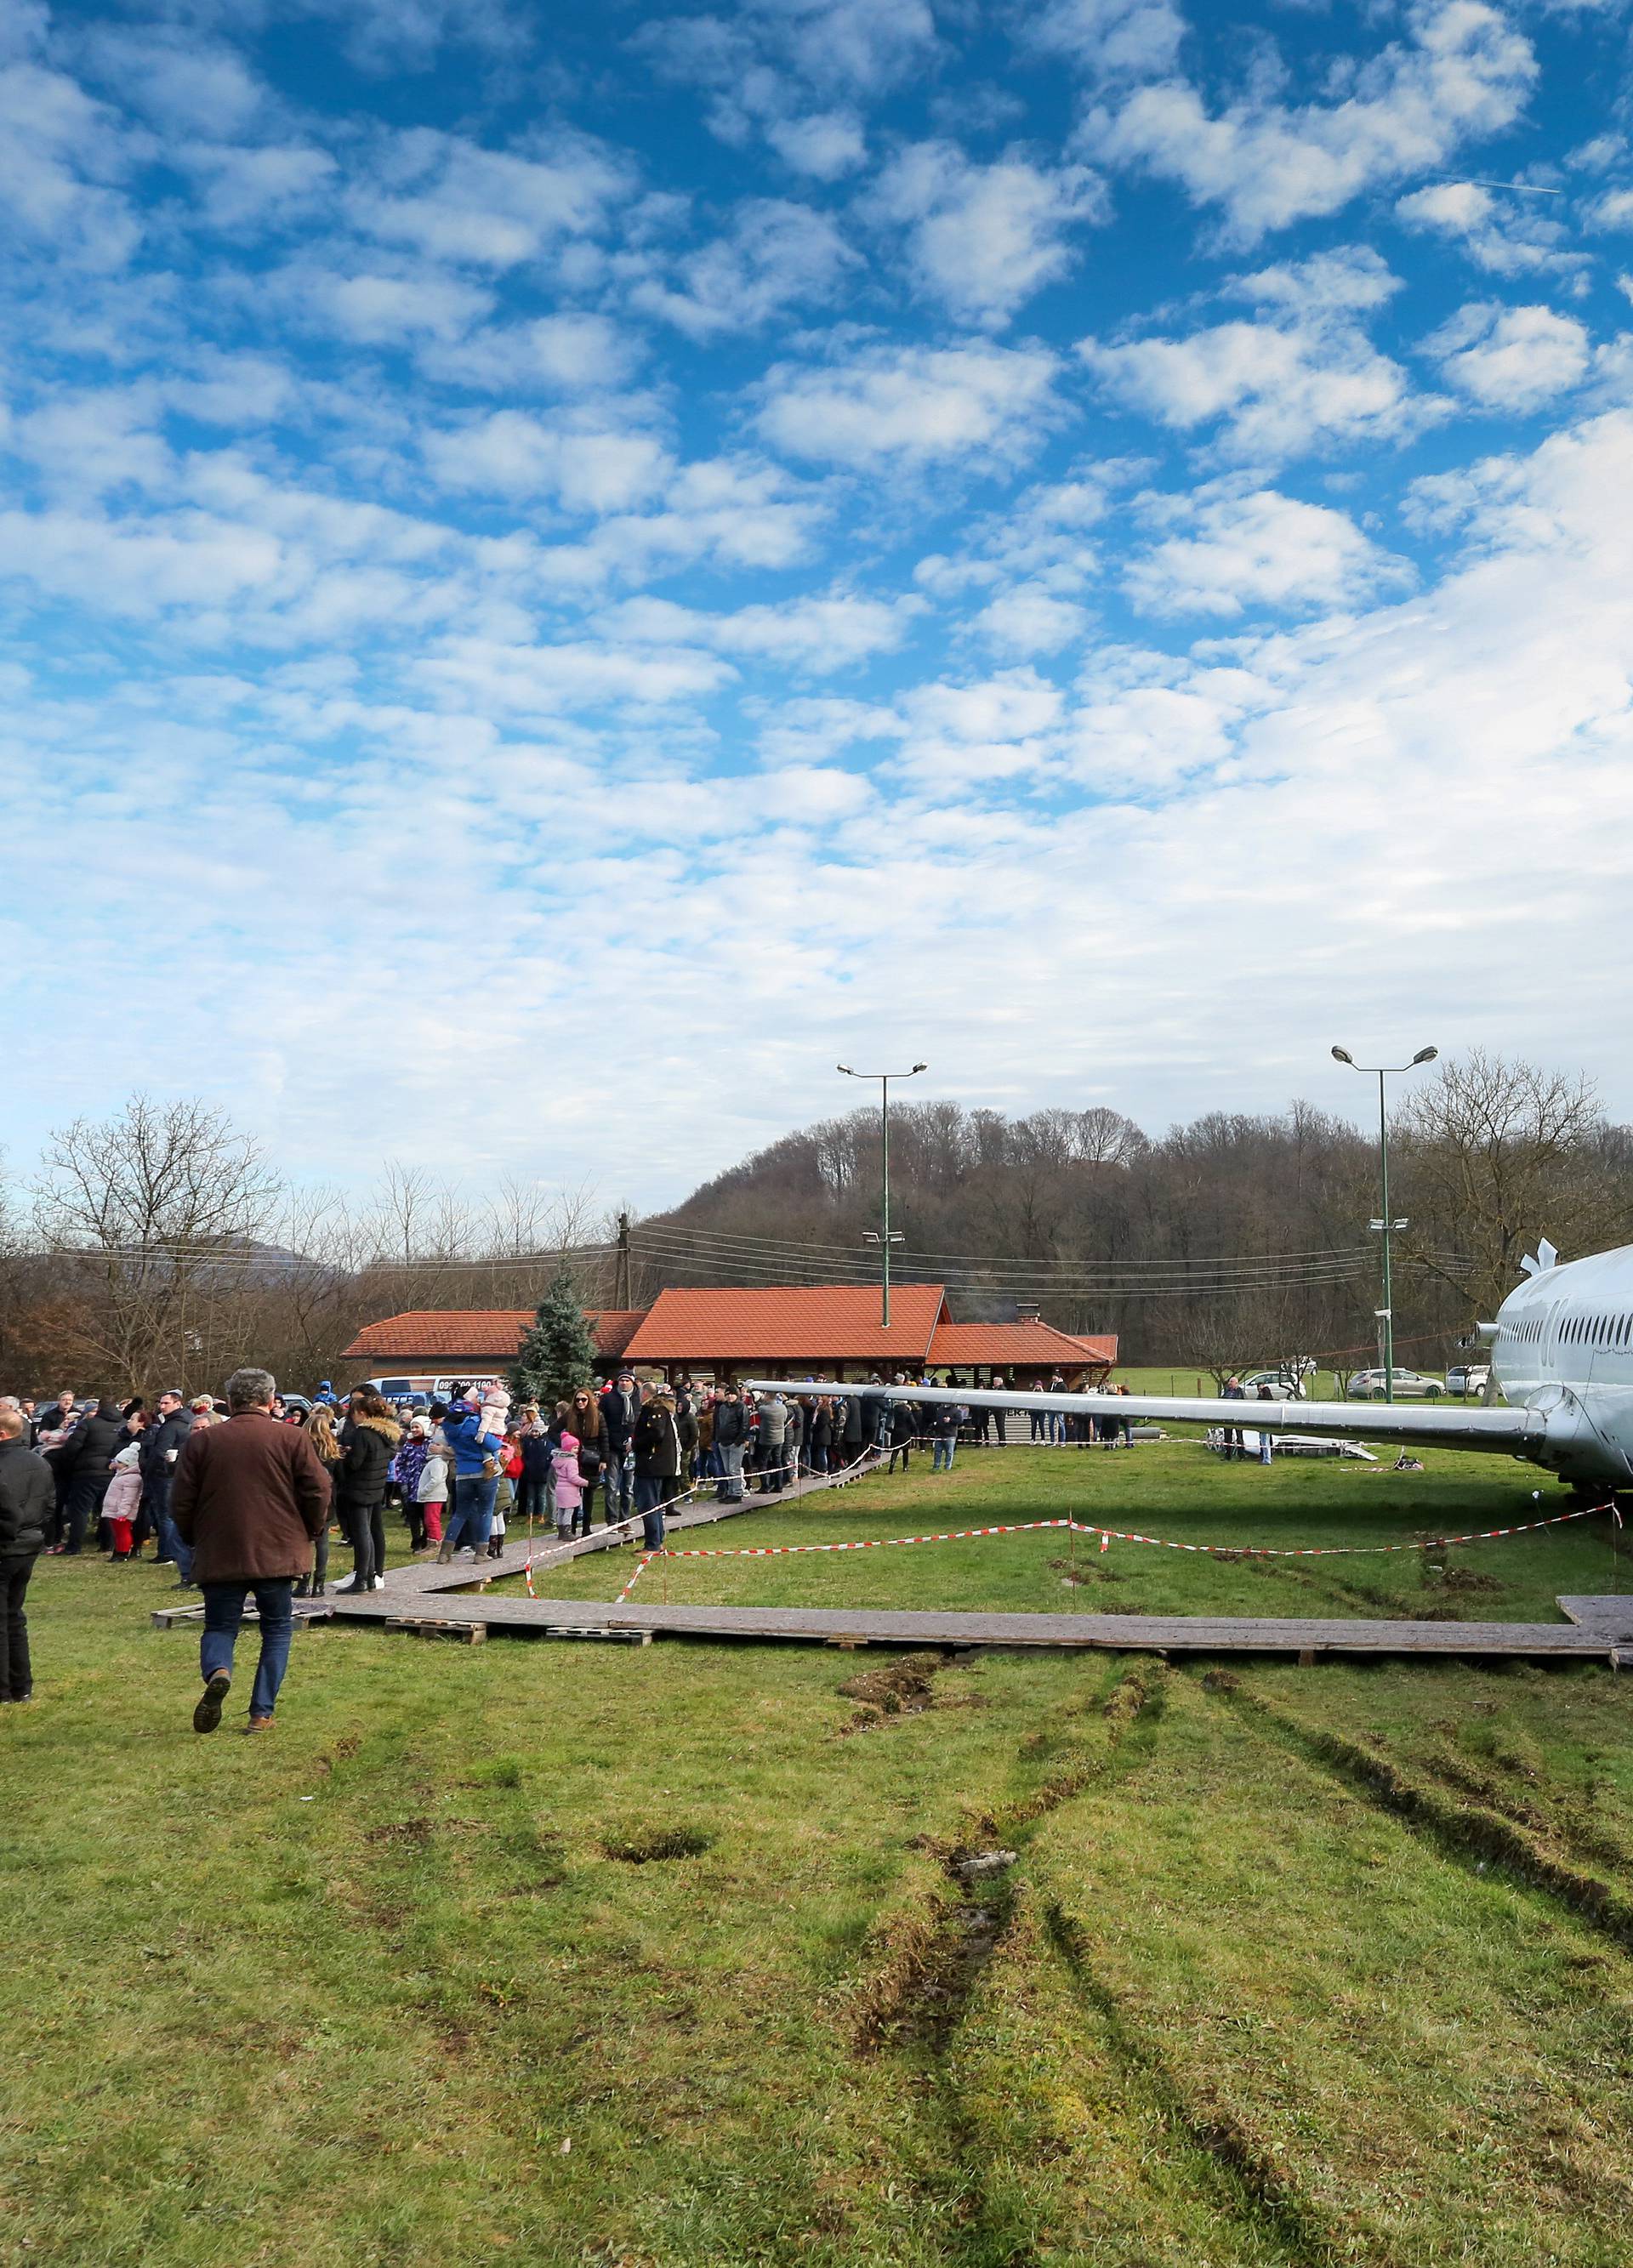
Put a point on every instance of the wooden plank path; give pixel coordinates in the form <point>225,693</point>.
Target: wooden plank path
<point>1588,1640</point>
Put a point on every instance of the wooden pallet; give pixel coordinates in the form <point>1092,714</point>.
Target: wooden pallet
<point>467,1634</point>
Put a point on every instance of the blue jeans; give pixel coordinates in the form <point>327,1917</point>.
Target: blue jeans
<point>223,1611</point>
<point>620,1486</point>
<point>170,1543</point>
<point>1057,1428</point>
<point>653,1492</point>
<point>473,1510</point>
<point>942,1453</point>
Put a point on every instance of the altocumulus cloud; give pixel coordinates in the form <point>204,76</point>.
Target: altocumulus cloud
<point>813,531</point>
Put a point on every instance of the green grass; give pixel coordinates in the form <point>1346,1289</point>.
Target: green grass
<point>1173,1489</point>
<point>1293,1966</point>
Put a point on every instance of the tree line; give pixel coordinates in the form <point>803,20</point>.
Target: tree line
<point>161,1247</point>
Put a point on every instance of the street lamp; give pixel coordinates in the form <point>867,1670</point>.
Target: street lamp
<point>1386,1314</point>
<point>882,1237</point>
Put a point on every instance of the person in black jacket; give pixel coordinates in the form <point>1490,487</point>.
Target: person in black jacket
<point>620,1407</point>
<point>733,1425</point>
<point>369,1437</point>
<point>657,1465</point>
<point>161,1446</point>
<point>903,1432</point>
<point>28,1505</point>
<point>88,1454</point>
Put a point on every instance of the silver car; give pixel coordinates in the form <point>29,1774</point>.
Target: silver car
<point>1409,1385</point>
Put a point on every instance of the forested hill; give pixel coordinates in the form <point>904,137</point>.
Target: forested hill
<point>1235,1237</point>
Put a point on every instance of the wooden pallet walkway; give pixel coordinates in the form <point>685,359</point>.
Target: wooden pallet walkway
<point>1306,1639</point>
<point>432,1578</point>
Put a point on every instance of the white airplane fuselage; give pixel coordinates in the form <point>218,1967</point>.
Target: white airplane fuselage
<point>1563,1346</point>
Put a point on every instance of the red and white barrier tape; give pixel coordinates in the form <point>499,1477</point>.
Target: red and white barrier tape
<point>861,1543</point>
<point>1329,1550</point>
<point>641,1566</point>
<point>1109,1535</point>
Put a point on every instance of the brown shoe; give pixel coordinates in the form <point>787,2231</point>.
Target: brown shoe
<point>207,1715</point>
<point>260,1725</point>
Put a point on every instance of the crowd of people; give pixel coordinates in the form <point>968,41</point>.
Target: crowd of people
<point>79,1475</point>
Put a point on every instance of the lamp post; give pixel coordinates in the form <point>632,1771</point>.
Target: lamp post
<point>1387,1311</point>
<point>882,1237</point>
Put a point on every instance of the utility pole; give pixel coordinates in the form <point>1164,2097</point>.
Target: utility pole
<point>1386,1313</point>
<point>882,1236</point>
<point>621,1293</point>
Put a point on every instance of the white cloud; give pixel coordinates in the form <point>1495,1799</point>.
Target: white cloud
<point>983,238</point>
<point>1303,379</point>
<point>812,795</point>
<point>1028,619</point>
<point>271,185</point>
<point>1462,72</point>
<point>1513,358</point>
<point>815,633</point>
<point>1274,391</point>
<point>565,353</point>
<point>826,144</point>
<point>915,405</point>
<point>583,465</point>
<point>1233,548</point>
<point>60,154</point>
<point>452,199</point>
<point>186,86</point>
<point>535,681</point>
<point>1613,211</point>
<point>775,255</point>
<point>376,308</point>
<point>1107,39</point>
<point>1501,237</point>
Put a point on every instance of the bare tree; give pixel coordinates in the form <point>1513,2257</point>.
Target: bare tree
<point>1497,1154</point>
<point>158,1211</point>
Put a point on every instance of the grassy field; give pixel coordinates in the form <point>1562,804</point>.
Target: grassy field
<point>547,1953</point>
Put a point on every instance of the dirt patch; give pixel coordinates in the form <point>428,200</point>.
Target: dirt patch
<point>901,1687</point>
<point>921,1999</point>
<point>417,1832</point>
<point>652,1845</point>
<point>1436,1577</point>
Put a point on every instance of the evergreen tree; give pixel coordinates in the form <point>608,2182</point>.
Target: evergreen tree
<point>558,1355</point>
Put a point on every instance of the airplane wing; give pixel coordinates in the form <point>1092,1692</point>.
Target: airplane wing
<point>1433,1424</point>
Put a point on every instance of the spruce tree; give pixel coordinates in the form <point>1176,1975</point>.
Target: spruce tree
<point>556,1355</point>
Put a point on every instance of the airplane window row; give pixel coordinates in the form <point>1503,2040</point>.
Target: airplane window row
<point>1596,1330</point>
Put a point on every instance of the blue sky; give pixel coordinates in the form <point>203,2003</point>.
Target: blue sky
<point>557,582</point>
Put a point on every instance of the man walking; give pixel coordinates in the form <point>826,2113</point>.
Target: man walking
<point>161,1446</point>
<point>28,1507</point>
<point>250,1497</point>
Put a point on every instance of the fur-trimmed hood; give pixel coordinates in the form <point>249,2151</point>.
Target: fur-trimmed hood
<point>387,1427</point>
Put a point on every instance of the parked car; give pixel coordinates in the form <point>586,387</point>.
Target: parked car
<point>1409,1385</point>
<point>1469,1377</point>
<point>1283,1387</point>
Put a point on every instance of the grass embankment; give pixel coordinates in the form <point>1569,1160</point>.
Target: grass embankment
<point>1291,1967</point>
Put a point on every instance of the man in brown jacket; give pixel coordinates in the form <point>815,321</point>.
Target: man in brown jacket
<point>250,1496</point>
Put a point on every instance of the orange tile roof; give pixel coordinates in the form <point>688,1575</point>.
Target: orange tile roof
<point>811,1323</point>
<point>479,1334</point>
<point>1016,1346</point>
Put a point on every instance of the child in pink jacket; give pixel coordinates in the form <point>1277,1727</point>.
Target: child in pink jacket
<point>569,1481</point>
